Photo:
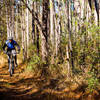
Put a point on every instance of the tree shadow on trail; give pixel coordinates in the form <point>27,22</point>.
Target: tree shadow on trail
<point>12,94</point>
<point>15,94</point>
<point>36,90</point>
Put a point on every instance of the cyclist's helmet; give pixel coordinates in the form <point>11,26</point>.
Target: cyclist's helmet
<point>10,39</point>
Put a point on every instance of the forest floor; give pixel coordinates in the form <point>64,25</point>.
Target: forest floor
<point>24,85</point>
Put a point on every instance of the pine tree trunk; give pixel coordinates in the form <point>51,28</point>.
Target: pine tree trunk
<point>67,46</point>
<point>69,30</point>
<point>12,20</point>
<point>57,29</point>
<point>45,30</point>
<point>23,32</point>
<point>37,29</point>
<point>16,22</point>
<point>33,23</point>
<point>7,20</point>
<point>51,22</point>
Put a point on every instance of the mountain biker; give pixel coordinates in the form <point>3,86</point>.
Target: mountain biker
<point>10,45</point>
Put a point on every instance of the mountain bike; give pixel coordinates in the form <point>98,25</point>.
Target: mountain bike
<point>11,54</point>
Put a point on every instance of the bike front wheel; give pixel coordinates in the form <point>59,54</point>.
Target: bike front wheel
<point>11,71</point>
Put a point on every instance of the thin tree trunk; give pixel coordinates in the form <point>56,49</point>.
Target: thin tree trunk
<point>12,19</point>
<point>56,33</point>
<point>10,13</point>
<point>33,23</point>
<point>7,20</point>
<point>68,61</point>
<point>27,18</point>
<point>23,33</point>
<point>97,9</point>
<point>69,30</point>
<point>38,48</point>
<point>66,11</point>
<point>57,29</point>
<point>37,29</point>
<point>51,22</point>
<point>16,21</point>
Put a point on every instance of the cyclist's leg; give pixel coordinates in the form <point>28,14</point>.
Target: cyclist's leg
<point>13,62</point>
<point>9,57</point>
<point>15,57</point>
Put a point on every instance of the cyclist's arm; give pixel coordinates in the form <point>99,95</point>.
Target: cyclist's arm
<point>17,45</point>
<point>4,47</point>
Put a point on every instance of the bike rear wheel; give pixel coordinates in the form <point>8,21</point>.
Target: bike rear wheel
<point>11,72</point>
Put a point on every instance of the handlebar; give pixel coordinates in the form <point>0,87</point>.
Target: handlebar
<point>11,52</point>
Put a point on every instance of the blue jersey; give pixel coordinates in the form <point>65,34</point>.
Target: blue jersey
<point>11,45</point>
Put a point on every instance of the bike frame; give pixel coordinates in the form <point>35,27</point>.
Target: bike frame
<point>11,55</point>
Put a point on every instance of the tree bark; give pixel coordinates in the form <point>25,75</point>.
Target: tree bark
<point>52,22</point>
<point>27,19</point>
<point>45,30</point>
<point>33,23</point>
<point>69,31</point>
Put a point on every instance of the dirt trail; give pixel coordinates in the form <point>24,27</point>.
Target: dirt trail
<point>15,87</point>
<point>22,85</point>
<point>26,86</point>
